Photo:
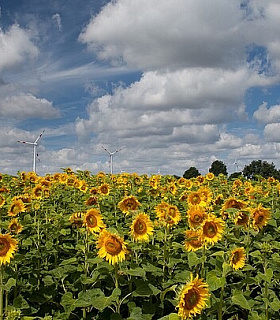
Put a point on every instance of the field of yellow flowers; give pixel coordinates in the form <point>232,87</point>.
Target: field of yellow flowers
<point>74,245</point>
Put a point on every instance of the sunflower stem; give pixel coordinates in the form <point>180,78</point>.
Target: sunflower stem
<point>116,276</point>
<point>164,252</point>
<point>1,293</point>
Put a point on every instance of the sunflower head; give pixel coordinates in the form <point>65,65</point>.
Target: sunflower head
<point>260,216</point>
<point>2,201</point>
<point>76,220</point>
<point>141,228</point>
<point>242,219</point>
<point>128,204</point>
<point>237,259</point>
<point>196,214</point>
<point>193,240</point>
<point>212,229</point>
<point>111,247</point>
<point>93,220</point>
<point>8,246</point>
<point>193,298</point>
<point>168,214</point>
<point>104,189</point>
<point>210,176</point>
<point>194,198</point>
<point>16,207</point>
<point>15,226</point>
<point>37,191</point>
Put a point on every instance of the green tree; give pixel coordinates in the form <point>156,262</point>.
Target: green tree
<point>192,172</point>
<point>218,167</point>
<point>260,168</point>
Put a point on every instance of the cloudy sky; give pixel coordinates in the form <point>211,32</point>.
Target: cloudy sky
<point>174,84</point>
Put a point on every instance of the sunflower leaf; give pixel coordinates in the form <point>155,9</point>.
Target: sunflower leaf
<point>239,299</point>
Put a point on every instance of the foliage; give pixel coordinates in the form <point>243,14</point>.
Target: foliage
<point>57,272</point>
<point>218,167</point>
<point>260,168</point>
<point>192,172</point>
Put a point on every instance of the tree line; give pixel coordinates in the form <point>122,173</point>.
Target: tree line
<point>251,171</point>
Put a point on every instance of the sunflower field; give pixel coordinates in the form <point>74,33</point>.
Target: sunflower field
<point>74,245</point>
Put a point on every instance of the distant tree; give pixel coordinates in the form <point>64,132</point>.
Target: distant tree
<point>192,172</point>
<point>260,168</point>
<point>218,167</point>
<point>235,175</point>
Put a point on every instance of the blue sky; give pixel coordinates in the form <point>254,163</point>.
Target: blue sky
<point>174,84</point>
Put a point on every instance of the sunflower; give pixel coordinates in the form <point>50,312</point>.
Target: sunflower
<point>212,229</point>
<point>93,220</point>
<point>104,189</point>
<point>141,228</point>
<point>196,214</point>
<point>193,240</point>
<point>111,247</point>
<point>210,176</point>
<point>94,191</point>
<point>76,220</point>
<point>8,245</point>
<point>242,219</point>
<point>237,259</point>
<point>200,179</point>
<point>193,298</point>
<point>14,226</point>
<point>194,198</point>
<point>232,203</point>
<point>91,201</point>
<point>128,204</point>
<point>2,201</point>
<point>37,191</point>
<point>167,213</point>
<point>16,207</point>
<point>260,216</point>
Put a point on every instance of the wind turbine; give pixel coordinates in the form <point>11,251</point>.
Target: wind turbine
<point>111,157</point>
<point>34,144</point>
<point>236,164</point>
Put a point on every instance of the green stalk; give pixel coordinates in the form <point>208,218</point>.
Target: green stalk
<point>164,252</point>
<point>1,294</point>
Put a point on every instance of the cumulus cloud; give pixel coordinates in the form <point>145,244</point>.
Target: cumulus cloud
<point>267,115</point>
<point>15,47</point>
<point>27,106</point>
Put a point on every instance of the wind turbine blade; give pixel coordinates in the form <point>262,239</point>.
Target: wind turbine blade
<point>27,142</point>
<point>105,149</point>
<point>40,135</point>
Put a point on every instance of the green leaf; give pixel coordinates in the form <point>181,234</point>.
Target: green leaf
<point>171,316</point>
<point>214,282</point>
<point>10,283</point>
<point>20,303</point>
<point>142,288</point>
<point>239,299</point>
<point>67,301</point>
<point>193,259</point>
<point>275,304</point>
<point>138,271</point>
<point>48,280</point>
<point>69,261</point>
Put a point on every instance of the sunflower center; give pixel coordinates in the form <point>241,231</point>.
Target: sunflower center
<point>196,199</point>
<point>113,246</point>
<point>92,221</point>
<point>210,229</point>
<point>235,257</point>
<point>172,212</point>
<point>140,227</point>
<point>260,218</point>
<point>15,209</point>
<point>197,218</point>
<point>4,247</point>
<point>191,298</point>
<point>104,189</point>
<point>130,204</point>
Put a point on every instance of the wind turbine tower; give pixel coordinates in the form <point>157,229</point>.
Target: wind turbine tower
<point>34,144</point>
<point>111,154</point>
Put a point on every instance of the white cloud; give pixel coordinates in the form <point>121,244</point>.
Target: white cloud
<point>27,106</point>
<point>271,132</point>
<point>57,18</point>
<point>15,47</point>
<point>267,115</point>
